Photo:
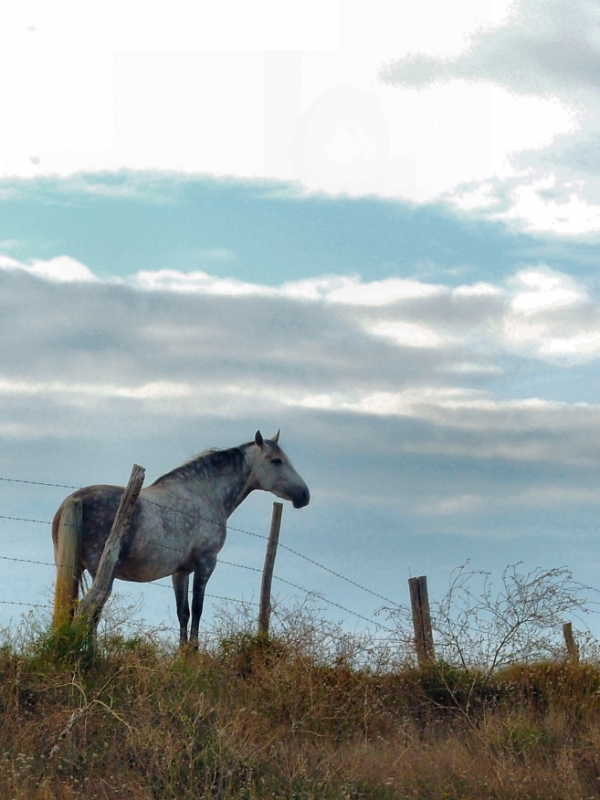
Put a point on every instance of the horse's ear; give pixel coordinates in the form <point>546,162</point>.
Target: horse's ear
<point>258,439</point>
<point>276,437</point>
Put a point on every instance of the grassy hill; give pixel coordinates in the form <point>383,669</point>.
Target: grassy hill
<point>288,717</point>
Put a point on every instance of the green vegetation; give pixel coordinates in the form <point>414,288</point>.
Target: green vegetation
<point>310,713</point>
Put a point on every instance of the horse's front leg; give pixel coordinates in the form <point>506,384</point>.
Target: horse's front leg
<point>180,586</point>
<point>204,570</point>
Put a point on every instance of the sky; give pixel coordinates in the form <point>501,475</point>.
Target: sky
<point>374,226</point>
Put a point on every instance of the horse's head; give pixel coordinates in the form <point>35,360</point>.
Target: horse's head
<point>273,471</point>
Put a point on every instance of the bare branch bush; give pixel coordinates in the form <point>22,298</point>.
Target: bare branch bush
<point>476,625</point>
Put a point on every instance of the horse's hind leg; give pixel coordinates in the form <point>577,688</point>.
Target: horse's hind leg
<point>203,572</point>
<point>180,586</point>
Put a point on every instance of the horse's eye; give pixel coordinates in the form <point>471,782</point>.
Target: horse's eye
<point>276,461</point>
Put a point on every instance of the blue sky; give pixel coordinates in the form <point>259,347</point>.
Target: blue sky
<point>368,229</point>
<point>250,230</point>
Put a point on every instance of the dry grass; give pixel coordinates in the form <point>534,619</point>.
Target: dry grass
<point>256,718</point>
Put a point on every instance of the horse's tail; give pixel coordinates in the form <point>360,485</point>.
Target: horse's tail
<point>66,535</point>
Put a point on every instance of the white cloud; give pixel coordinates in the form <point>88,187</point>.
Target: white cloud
<point>408,334</point>
<point>62,269</point>
<point>544,289</point>
<point>480,289</point>
<point>342,290</point>
<point>552,316</point>
<point>553,496</point>
<point>379,293</point>
<point>459,504</point>
<point>172,280</point>
<point>571,213</point>
<point>154,390</point>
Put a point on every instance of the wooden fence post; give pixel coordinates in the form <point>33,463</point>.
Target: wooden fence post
<point>419,602</point>
<point>92,604</point>
<point>264,612</point>
<point>572,649</point>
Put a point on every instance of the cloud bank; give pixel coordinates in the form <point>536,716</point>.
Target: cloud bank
<point>193,345</point>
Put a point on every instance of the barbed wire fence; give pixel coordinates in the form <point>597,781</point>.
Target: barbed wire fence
<point>306,593</point>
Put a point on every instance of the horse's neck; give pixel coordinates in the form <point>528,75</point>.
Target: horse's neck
<point>226,490</point>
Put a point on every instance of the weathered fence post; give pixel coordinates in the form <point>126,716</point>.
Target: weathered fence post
<point>572,649</point>
<point>419,602</point>
<point>92,604</point>
<point>264,612</point>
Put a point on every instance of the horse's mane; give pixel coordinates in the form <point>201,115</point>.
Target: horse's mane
<point>208,462</point>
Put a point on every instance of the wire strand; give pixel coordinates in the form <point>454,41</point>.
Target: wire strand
<point>204,519</point>
<point>40,483</point>
<point>222,561</point>
<point>229,528</point>
<point>231,599</point>
<point>333,603</point>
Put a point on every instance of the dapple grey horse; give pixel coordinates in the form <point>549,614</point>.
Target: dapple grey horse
<point>178,526</point>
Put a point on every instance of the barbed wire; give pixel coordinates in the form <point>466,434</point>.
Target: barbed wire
<point>337,574</point>
<point>221,561</point>
<point>25,519</point>
<point>280,545</point>
<point>242,566</point>
<point>333,603</point>
<point>212,522</point>
<point>207,594</point>
<point>28,561</point>
<point>239,566</point>
<point>205,634</point>
<point>161,585</point>
<point>39,483</point>
<point>155,583</point>
<point>233,600</point>
<point>152,583</point>
<point>139,539</point>
<point>17,603</point>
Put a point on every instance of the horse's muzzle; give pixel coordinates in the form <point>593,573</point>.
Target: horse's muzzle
<point>302,499</point>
